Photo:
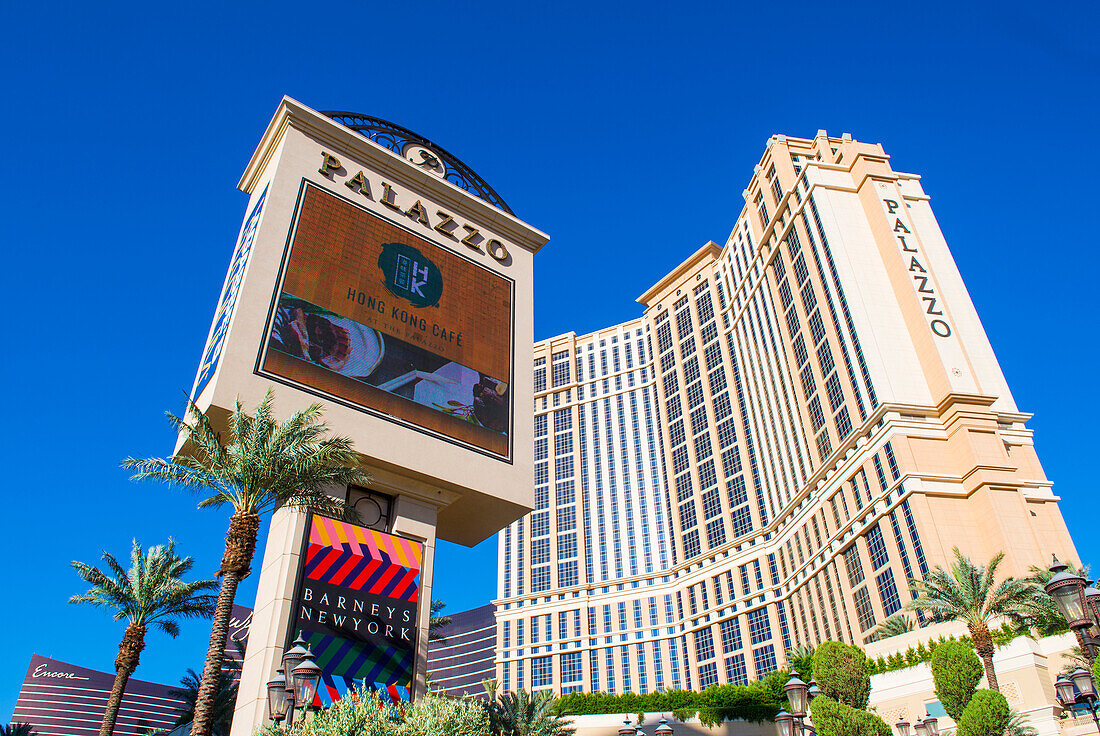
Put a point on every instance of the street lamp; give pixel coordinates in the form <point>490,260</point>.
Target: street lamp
<point>785,721</point>
<point>1078,689</point>
<point>930,725</point>
<point>626,729</point>
<point>796,691</point>
<point>285,695</point>
<point>277,696</point>
<point>902,726</point>
<point>663,729</point>
<point>1068,592</point>
<point>814,690</point>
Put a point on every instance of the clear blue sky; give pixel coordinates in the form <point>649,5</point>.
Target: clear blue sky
<point>126,126</point>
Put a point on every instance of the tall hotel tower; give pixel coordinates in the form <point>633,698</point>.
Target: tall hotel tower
<point>801,420</point>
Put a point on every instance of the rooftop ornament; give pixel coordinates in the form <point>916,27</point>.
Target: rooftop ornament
<point>421,152</point>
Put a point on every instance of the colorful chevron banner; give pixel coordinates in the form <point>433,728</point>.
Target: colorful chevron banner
<point>357,599</point>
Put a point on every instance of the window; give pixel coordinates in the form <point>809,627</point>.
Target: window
<point>716,533</point>
<point>542,672</point>
<point>876,547</point>
<point>864,612</point>
<point>691,544</point>
<point>704,645</point>
<point>825,358</point>
<point>708,675</point>
<point>735,670</point>
<point>764,660</point>
<point>888,592</point>
<point>777,192</point>
<point>855,567</point>
<point>540,579</point>
<point>731,635</point>
<point>759,627</point>
<point>836,396</point>
<point>800,351</point>
<point>817,329</point>
<point>817,417</point>
<point>571,667</point>
<point>540,551</point>
<point>567,519</point>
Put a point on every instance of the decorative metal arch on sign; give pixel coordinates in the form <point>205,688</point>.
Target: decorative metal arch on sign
<point>399,140</point>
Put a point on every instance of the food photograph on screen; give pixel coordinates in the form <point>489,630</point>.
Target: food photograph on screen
<point>376,316</point>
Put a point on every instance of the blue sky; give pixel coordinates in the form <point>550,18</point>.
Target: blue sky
<point>625,131</point>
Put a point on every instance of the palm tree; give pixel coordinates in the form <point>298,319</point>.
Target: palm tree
<point>264,464</point>
<point>894,625</point>
<point>151,593</point>
<point>18,729</point>
<point>967,593</point>
<point>1043,615</point>
<point>437,621</point>
<point>224,700</point>
<point>524,714</point>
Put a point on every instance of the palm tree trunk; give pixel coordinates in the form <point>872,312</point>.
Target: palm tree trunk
<point>983,643</point>
<point>129,654</point>
<point>240,545</point>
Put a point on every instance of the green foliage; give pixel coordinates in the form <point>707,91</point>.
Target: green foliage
<point>17,729</point>
<point>525,714</point>
<point>923,651</point>
<point>1096,670</point>
<point>956,671</point>
<point>987,714</point>
<point>367,715</point>
<point>801,660</point>
<point>758,702</point>
<point>1019,725</point>
<point>894,625</point>
<point>842,673</point>
<point>151,592</point>
<point>832,718</point>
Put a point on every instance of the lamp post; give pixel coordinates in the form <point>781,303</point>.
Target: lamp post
<point>785,721</point>
<point>626,729</point>
<point>285,695</point>
<point>902,726</point>
<point>1078,689</point>
<point>1068,592</point>
<point>663,729</point>
<point>797,697</point>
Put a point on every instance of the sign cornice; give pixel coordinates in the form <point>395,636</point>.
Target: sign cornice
<point>326,131</point>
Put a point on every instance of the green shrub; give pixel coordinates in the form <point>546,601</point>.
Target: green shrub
<point>757,701</point>
<point>956,671</point>
<point>842,673</point>
<point>832,718</point>
<point>367,716</point>
<point>987,714</point>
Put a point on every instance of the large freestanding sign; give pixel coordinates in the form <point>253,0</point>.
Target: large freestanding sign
<point>379,275</point>
<point>355,605</point>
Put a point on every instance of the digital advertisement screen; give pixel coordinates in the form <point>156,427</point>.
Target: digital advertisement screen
<point>377,317</point>
<point>228,299</point>
<point>355,605</point>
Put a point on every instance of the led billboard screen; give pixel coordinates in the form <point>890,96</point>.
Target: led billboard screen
<point>228,299</point>
<point>356,606</point>
<point>374,316</point>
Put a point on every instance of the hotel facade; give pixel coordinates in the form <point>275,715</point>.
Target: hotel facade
<point>800,420</point>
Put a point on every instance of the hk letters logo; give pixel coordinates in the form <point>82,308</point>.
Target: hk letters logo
<point>408,274</point>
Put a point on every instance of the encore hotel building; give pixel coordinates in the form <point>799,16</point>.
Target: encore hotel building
<point>801,420</point>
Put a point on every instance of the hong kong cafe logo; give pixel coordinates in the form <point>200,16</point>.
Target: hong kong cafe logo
<point>408,274</point>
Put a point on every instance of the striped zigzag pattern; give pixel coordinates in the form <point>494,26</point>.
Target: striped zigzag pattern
<point>357,663</point>
<point>349,570</point>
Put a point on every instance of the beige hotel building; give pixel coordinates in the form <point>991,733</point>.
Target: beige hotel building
<point>800,420</point>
